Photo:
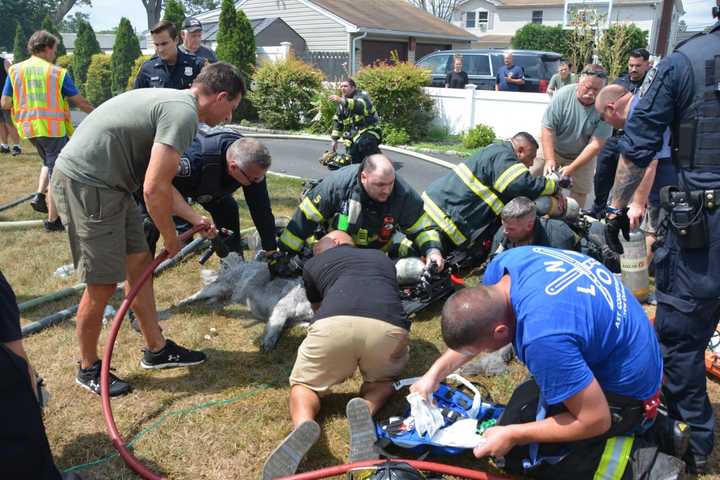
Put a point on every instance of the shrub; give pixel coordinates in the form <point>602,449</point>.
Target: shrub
<point>616,44</point>
<point>49,26</point>
<point>125,50</point>
<point>396,91</point>
<point>99,79</point>
<point>65,62</point>
<point>479,136</point>
<point>534,36</point>
<point>86,45</point>
<point>284,92</point>
<point>136,69</point>
<point>394,136</point>
<point>323,110</point>
<point>437,133</point>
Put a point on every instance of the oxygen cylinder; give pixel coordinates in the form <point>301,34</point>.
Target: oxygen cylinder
<point>548,205</point>
<point>634,265</point>
<point>409,270</point>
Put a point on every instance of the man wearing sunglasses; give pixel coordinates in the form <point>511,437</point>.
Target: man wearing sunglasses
<point>219,162</point>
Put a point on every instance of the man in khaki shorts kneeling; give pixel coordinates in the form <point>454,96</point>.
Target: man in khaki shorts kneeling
<point>359,322</point>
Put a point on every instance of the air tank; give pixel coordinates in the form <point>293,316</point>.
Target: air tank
<point>549,205</point>
<point>634,265</point>
<point>409,270</point>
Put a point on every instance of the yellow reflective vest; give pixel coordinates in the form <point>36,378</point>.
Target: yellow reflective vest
<point>39,109</point>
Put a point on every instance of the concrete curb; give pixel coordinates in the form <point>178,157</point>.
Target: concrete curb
<point>261,133</point>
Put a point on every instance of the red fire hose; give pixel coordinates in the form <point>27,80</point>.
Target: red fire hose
<point>420,465</point>
<point>148,474</point>
<point>115,436</point>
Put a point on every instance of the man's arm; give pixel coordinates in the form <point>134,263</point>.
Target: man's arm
<point>547,138</point>
<point>258,202</point>
<point>18,349</point>
<point>448,362</point>
<point>588,416</point>
<point>517,81</point>
<point>588,153</point>
<point>82,103</point>
<point>640,197</point>
<point>627,179</point>
<point>159,192</point>
<point>317,207</point>
<point>6,102</point>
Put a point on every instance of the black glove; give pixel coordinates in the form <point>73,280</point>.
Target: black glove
<point>565,182</point>
<point>619,223</point>
<point>283,264</point>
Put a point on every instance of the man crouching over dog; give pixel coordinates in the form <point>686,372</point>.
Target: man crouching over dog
<point>594,359</point>
<point>359,322</point>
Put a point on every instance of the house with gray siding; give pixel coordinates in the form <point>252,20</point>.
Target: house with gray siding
<point>269,32</point>
<point>360,31</point>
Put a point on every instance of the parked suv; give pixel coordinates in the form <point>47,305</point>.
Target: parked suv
<point>482,64</point>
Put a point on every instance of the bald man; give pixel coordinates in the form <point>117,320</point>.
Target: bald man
<point>615,105</point>
<point>359,323</point>
<point>369,202</point>
<point>595,367</point>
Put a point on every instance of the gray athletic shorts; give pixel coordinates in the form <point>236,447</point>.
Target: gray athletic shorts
<point>104,226</point>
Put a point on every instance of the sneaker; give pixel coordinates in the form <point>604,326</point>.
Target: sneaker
<point>362,431</point>
<point>172,355</point>
<point>284,460</point>
<point>16,150</point>
<point>89,378</point>
<point>4,149</point>
<point>54,226</point>
<point>38,203</point>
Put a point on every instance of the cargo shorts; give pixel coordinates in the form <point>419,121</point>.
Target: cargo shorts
<point>104,227</point>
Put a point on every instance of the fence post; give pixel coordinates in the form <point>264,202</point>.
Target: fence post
<point>470,92</point>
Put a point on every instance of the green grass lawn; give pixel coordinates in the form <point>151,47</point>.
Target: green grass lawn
<point>217,421</point>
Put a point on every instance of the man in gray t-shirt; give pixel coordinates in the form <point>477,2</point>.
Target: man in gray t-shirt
<point>573,132</point>
<point>131,141</point>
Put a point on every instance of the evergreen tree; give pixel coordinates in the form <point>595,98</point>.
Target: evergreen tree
<point>86,45</point>
<point>125,50</point>
<point>246,44</point>
<point>49,26</point>
<point>20,52</point>
<point>174,12</point>
<point>97,86</point>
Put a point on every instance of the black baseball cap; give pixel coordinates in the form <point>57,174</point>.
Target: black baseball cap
<point>192,25</point>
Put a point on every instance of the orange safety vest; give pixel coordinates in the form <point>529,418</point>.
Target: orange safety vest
<point>39,109</point>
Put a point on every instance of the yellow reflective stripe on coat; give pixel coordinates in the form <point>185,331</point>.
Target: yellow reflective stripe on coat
<point>443,221</point>
<point>478,188</point>
<point>614,458</point>
<point>291,240</point>
<point>310,212</point>
<point>508,176</point>
<point>422,223</point>
<point>427,236</point>
<point>550,187</point>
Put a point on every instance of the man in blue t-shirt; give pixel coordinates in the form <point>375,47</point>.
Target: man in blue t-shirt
<point>509,77</point>
<point>584,338</point>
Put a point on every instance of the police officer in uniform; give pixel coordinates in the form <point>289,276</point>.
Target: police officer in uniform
<point>356,122</point>
<point>683,92</point>
<point>170,67</point>
<point>369,202</point>
<point>218,162</point>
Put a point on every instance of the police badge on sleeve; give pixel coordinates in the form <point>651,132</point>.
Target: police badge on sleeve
<point>184,169</point>
<point>649,78</point>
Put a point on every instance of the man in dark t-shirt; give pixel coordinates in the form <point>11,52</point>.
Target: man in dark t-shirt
<point>457,78</point>
<point>24,448</point>
<point>359,322</point>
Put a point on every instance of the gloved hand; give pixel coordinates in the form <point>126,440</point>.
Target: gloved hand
<point>565,182</point>
<point>283,264</point>
<point>618,223</point>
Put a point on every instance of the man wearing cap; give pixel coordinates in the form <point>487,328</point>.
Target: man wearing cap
<point>191,36</point>
<point>170,67</point>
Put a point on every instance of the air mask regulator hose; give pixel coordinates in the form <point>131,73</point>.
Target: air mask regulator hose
<point>115,436</point>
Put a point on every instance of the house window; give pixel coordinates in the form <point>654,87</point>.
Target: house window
<point>482,21</point>
<point>537,16</point>
<point>469,19</point>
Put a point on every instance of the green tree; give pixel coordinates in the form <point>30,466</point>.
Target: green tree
<point>534,36</point>
<point>125,50</point>
<point>20,52</point>
<point>616,44</point>
<point>99,73</point>
<point>174,12</point>
<point>135,69</point>
<point>86,45</point>
<point>49,26</point>
<point>72,23</point>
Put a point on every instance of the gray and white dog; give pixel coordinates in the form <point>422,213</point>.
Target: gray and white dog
<point>277,301</point>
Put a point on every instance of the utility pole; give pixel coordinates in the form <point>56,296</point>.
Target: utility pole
<point>663,34</point>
